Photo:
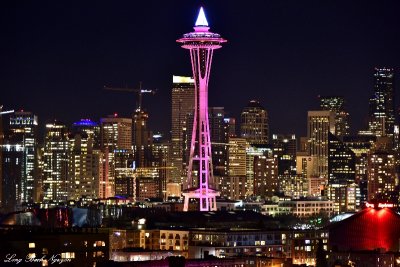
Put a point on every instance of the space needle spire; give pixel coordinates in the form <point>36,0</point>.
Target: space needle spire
<point>201,44</point>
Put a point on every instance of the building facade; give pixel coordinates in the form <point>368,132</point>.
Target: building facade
<point>254,123</point>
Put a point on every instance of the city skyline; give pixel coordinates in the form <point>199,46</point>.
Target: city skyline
<point>59,57</point>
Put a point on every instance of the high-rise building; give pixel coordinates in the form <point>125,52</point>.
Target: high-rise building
<point>320,124</point>
<point>116,133</point>
<point>201,44</point>
<point>341,175</point>
<point>161,160</point>
<point>253,151</point>
<point>233,185</point>
<point>84,166</point>
<point>55,163</point>
<point>23,129</point>
<point>237,157</point>
<point>362,146</point>
<point>92,130</point>
<point>265,176</point>
<point>341,162</point>
<point>142,138</point>
<point>230,125</point>
<point>382,178</point>
<point>183,96</point>
<point>125,183</point>
<point>285,149</point>
<point>116,136</point>
<point>381,103</point>
<point>337,105</point>
<point>254,124</point>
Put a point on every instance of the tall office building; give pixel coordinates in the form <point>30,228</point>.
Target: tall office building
<point>230,125</point>
<point>341,162</point>
<point>341,180</point>
<point>116,136</point>
<point>382,177</point>
<point>381,103</point>
<point>362,146</point>
<point>183,95</point>
<point>253,151</point>
<point>337,105</point>
<point>142,138</point>
<point>234,186</point>
<point>55,163</point>
<point>254,124</point>
<point>265,176</point>
<point>84,167</point>
<point>91,128</point>
<point>161,159</point>
<point>12,169</point>
<point>24,125</point>
<point>285,148</point>
<point>319,125</point>
<point>116,133</point>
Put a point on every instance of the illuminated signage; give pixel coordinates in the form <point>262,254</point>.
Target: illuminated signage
<point>385,205</point>
<point>379,205</point>
<point>369,205</point>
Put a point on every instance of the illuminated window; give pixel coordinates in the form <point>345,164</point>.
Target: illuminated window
<point>31,255</point>
<point>31,245</point>
<point>68,255</point>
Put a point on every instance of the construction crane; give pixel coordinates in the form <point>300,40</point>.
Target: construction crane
<point>140,91</point>
<point>5,112</point>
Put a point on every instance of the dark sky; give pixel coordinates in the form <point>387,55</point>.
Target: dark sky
<point>57,55</point>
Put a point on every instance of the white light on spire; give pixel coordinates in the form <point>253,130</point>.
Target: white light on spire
<point>201,18</point>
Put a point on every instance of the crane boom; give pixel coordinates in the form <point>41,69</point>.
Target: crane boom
<point>6,112</point>
<point>139,92</point>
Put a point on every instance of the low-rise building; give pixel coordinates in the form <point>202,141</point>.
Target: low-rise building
<point>299,207</point>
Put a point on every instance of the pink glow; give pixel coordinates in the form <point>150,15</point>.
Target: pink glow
<point>201,44</point>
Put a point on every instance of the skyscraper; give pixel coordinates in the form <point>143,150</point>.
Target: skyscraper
<point>382,178</point>
<point>183,95</point>
<point>84,166</point>
<point>265,176</point>
<point>233,185</point>
<point>142,138</point>
<point>116,137</point>
<point>55,163</point>
<point>254,125</point>
<point>381,103</point>
<point>91,128</point>
<point>201,44</point>
<point>116,133</point>
<point>319,125</point>
<point>24,125</point>
<point>341,180</point>
<point>337,105</point>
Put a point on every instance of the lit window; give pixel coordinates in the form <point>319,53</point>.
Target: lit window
<point>31,255</point>
<point>31,245</point>
<point>68,255</point>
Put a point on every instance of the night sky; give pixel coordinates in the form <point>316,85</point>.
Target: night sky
<point>57,55</point>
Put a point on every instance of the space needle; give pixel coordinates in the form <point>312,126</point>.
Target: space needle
<point>201,44</point>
